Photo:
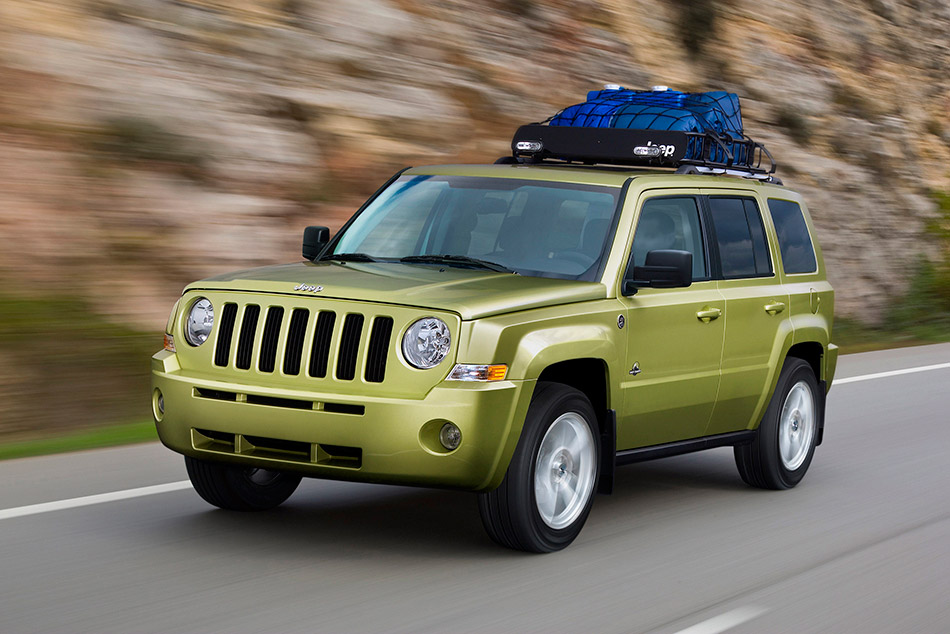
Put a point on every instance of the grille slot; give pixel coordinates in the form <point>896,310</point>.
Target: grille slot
<point>246,341</point>
<point>320,353</point>
<point>210,440</point>
<point>339,456</point>
<point>275,316</point>
<point>349,347</point>
<point>295,334</point>
<point>217,395</point>
<point>279,448</point>
<point>378,349</point>
<point>276,401</point>
<point>226,331</point>
<point>344,408</point>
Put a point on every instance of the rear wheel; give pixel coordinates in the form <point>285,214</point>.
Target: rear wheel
<point>547,493</point>
<point>240,488</point>
<point>785,444</point>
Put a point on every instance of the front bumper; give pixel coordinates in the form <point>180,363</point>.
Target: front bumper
<point>365,439</point>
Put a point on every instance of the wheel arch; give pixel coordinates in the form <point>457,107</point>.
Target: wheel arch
<point>812,353</point>
<point>573,352</point>
<point>591,377</point>
<point>585,358</point>
<point>587,375</point>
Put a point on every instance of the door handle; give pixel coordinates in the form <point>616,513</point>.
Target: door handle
<point>774,308</point>
<point>707,314</point>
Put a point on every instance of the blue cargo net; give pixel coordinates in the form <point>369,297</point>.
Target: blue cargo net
<point>714,112</point>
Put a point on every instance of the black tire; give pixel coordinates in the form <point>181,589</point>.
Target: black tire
<point>761,462</point>
<point>511,513</point>
<point>240,488</point>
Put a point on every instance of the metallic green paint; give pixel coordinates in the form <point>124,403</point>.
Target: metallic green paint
<point>696,377</point>
<point>471,293</point>
<point>387,434</point>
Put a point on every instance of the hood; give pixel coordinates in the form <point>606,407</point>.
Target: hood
<point>469,292</point>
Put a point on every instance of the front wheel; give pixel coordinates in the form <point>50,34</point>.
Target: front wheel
<point>785,444</point>
<point>240,488</point>
<point>547,493</point>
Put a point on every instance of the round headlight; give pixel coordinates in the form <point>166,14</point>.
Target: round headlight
<point>426,343</point>
<point>200,321</point>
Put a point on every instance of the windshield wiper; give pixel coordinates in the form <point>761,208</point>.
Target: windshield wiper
<point>456,259</point>
<point>349,257</point>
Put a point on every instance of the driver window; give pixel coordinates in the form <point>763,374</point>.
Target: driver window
<point>670,223</point>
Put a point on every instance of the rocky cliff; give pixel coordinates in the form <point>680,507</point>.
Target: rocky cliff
<point>146,143</point>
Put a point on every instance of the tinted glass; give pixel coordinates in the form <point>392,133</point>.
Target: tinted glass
<point>734,237</point>
<point>760,243</point>
<point>532,227</point>
<point>798,253</point>
<point>670,223</point>
<point>740,236</point>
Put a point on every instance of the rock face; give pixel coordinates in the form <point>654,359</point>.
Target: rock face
<point>147,143</point>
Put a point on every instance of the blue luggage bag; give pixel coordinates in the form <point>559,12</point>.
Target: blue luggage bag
<point>716,112</point>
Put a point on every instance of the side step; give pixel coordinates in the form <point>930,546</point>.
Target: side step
<point>642,454</point>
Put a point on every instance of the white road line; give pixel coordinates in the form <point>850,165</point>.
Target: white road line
<point>89,500</point>
<point>725,621</point>
<point>881,375</point>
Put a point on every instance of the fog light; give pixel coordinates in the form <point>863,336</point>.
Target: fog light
<point>158,405</point>
<point>450,436</point>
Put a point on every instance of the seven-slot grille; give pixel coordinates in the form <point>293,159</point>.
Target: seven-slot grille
<point>288,354</point>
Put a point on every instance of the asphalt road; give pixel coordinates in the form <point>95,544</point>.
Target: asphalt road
<point>861,545</point>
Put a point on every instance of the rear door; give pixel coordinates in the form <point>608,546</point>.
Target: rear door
<point>757,306</point>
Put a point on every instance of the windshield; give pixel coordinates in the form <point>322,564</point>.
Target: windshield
<point>529,227</point>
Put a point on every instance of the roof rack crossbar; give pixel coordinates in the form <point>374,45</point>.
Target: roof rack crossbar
<point>765,177</point>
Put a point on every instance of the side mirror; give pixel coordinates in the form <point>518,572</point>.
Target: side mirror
<point>314,239</point>
<point>664,268</point>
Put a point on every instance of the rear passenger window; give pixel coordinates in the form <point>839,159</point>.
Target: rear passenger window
<point>798,253</point>
<point>743,250</point>
<point>670,223</point>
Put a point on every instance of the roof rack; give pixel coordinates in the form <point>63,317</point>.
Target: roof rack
<point>690,152</point>
<point>659,127</point>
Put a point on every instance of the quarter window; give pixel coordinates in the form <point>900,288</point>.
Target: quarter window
<point>798,252</point>
<point>670,223</point>
<point>740,235</point>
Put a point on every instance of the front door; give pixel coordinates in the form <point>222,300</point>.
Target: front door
<point>674,335</point>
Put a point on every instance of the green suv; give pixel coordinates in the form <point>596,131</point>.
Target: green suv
<point>517,330</point>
